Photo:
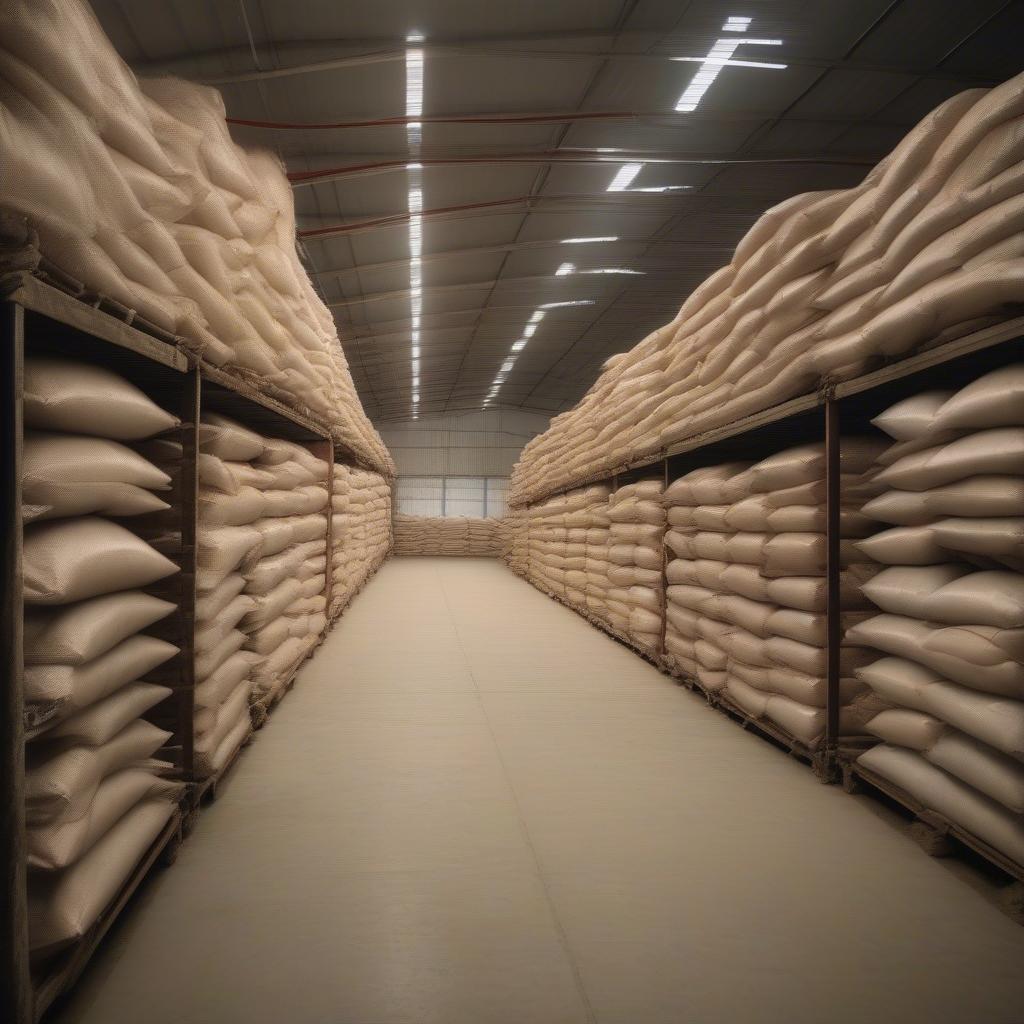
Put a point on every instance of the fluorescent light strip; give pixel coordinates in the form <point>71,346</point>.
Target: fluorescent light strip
<point>570,302</point>
<point>734,63</point>
<point>663,188</point>
<point>581,241</point>
<point>719,55</point>
<point>414,109</point>
<point>565,268</point>
<point>615,270</point>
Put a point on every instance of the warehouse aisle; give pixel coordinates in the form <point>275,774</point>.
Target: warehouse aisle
<point>476,808</point>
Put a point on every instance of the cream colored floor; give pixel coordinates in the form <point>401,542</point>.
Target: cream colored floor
<point>476,808</point>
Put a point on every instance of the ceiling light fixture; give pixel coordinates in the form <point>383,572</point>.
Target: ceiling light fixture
<point>615,270</point>
<point>565,268</point>
<point>570,302</point>
<point>414,109</point>
<point>581,241</point>
<point>719,55</point>
<point>624,177</point>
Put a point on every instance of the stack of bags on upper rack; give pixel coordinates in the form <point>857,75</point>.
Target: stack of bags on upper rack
<point>135,188</point>
<point>748,589</point>
<point>95,799</point>
<point>636,555</point>
<point>261,604</point>
<point>930,245</point>
<point>360,530</point>
<point>952,602</point>
<point>458,536</point>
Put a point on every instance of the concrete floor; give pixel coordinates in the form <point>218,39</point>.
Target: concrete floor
<point>476,808</point>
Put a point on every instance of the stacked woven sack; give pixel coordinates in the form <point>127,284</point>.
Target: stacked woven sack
<point>135,188</point>
<point>930,245</point>
<point>747,586</point>
<point>952,601</point>
<point>261,585</point>
<point>517,534</point>
<point>360,530</point>
<point>458,536</point>
<point>95,797</point>
<point>598,542</point>
<point>555,551</point>
<point>636,555</point>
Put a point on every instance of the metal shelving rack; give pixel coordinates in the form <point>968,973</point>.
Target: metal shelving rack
<point>835,411</point>
<point>47,313</point>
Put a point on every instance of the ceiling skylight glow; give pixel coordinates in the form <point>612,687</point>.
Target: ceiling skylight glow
<point>624,177</point>
<point>718,57</point>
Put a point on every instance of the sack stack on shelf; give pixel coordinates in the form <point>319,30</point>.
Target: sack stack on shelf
<point>457,536</point>
<point>636,554</point>
<point>928,247</point>
<point>951,596</point>
<point>96,797</point>
<point>598,541</point>
<point>261,602</point>
<point>360,530</point>
<point>557,547</point>
<point>517,541</point>
<point>747,585</point>
<point>135,188</point>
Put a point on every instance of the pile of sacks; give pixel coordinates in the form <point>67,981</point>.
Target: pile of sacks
<point>929,246</point>
<point>261,582</point>
<point>457,536</point>
<point>747,588</point>
<point>95,797</point>
<point>562,546</point>
<point>360,530</point>
<point>557,546</point>
<point>952,601</point>
<point>636,554</point>
<point>517,541</point>
<point>135,188</point>
<point>598,565</point>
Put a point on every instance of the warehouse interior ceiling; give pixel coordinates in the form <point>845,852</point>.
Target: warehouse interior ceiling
<point>495,198</point>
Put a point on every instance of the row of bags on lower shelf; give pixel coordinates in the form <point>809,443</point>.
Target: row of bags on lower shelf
<point>97,793</point>
<point>360,530</point>
<point>951,596</point>
<point>261,579</point>
<point>931,535</point>
<point>450,536</point>
<point>746,598</point>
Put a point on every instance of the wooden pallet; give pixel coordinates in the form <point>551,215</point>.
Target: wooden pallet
<point>208,788</point>
<point>940,837</point>
<point>59,975</point>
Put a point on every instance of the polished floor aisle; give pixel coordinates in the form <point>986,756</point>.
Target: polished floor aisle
<point>476,808</point>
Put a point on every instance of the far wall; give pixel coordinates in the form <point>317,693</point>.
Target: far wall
<point>485,443</point>
<point>458,464</point>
